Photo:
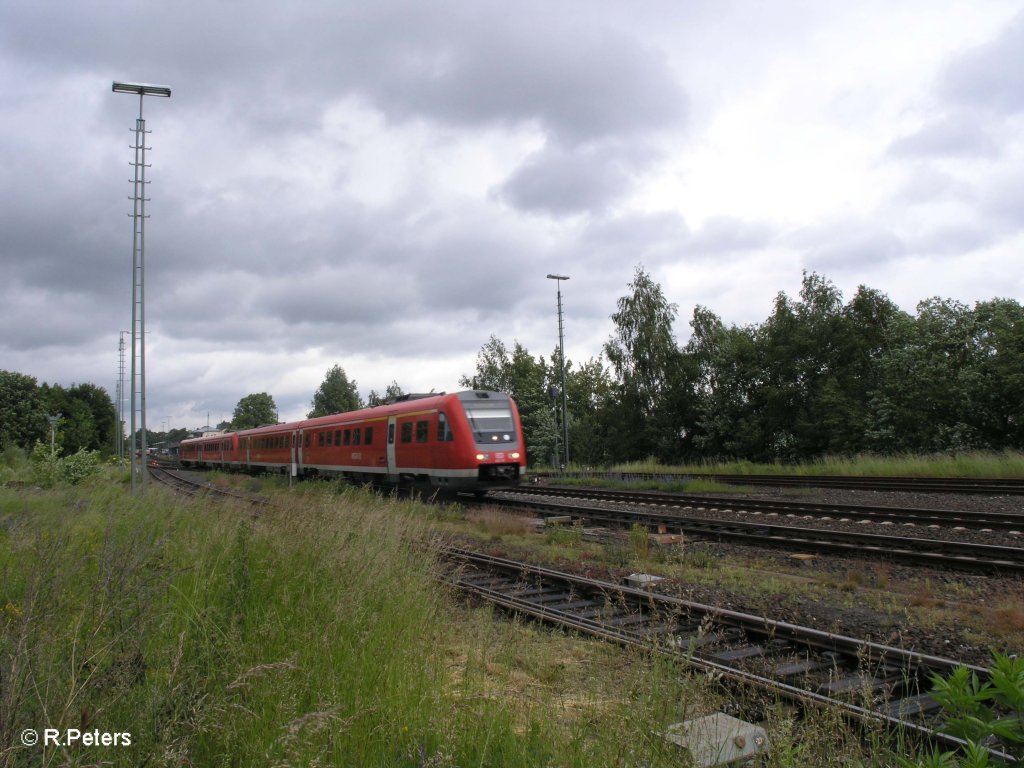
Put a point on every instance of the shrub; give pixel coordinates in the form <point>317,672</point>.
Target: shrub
<point>987,715</point>
<point>48,469</point>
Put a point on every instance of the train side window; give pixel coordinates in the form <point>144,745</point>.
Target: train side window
<point>391,434</point>
<point>422,431</point>
<point>320,439</point>
<point>307,439</point>
<point>348,436</point>
<point>444,430</point>
<point>368,437</point>
<point>337,437</point>
<point>355,435</point>
<point>407,432</point>
<point>330,439</point>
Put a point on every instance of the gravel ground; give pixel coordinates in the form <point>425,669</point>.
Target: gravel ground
<point>989,504</point>
<point>938,612</point>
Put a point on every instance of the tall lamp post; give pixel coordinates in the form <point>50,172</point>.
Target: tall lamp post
<point>561,354</point>
<point>139,271</point>
<point>53,433</point>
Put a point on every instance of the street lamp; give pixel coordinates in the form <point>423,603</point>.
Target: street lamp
<point>139,267</point>
<point>561,353</point>
<point>53,432</point>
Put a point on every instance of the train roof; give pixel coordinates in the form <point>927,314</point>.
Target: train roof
<point>399,405</point>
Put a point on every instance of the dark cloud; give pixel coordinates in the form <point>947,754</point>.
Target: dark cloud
<point>559,181</point>
<point>310,198</point>
<point>578,82</point>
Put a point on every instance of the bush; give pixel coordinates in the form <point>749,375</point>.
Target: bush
<point>987,715</point>
<point>48,469</point>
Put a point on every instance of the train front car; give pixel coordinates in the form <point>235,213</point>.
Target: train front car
<point>495,448</point>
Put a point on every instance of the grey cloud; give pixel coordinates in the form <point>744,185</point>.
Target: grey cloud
<point>579,83</point>
<point>726,234</point>
<point>951,239</point>
<point>561,181</point>
<point>1003,201</point>
<point>927,184</point>
<point>959,135</point>
<point>853,243</point>
<point>462,64</point>
<point>991,76</point>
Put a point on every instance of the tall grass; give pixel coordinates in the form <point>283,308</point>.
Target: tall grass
<point>972,464</point>
<point>313,634</point>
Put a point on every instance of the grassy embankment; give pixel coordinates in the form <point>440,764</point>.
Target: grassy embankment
<point>1006,464</point>
<point>973,464</point>
<point>313,634</point>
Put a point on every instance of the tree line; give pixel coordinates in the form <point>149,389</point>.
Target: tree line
<point>819,376</point>
<point>88,419</point>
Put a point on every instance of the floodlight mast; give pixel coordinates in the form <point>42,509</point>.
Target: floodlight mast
<point>138,274</point>
<point>561,353</point>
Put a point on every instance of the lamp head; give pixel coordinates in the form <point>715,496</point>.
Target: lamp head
<point>141,89</point>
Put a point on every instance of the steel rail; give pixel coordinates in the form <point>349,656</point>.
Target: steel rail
<point>920,551</point>
<point>1013,523</point>
<point>629,614</point>
<point>975,485</point>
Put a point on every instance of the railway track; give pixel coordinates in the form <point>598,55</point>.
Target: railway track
<point>979,485</point>
<point>913,550</point>
<point>167,476</point>
<point>866,681</point>
<point>886,515</point>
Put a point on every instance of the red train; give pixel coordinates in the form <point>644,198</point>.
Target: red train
<point>465,441</point>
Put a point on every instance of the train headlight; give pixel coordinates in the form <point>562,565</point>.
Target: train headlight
<point>483,456</point>
<point>515,455</point>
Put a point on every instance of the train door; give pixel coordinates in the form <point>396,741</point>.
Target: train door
<point>298,450</point>
<point>392,463</point>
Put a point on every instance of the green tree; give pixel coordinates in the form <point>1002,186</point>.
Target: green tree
<point>336,394</point>
<point>726,373</point>
<point>254,410</point>
<point>22,411</point>
<point>591,396</point>
<point>645,357</point>
<point>930,384</point>
<point>392,391</point>
<point>88,417</point>
<point>999,336</point>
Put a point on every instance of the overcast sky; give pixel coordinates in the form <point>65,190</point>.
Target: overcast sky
<point>385,185</point>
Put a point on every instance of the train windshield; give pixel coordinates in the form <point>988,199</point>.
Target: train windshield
<point>492,425</point>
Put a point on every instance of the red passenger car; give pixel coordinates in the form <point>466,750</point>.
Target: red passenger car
<point>463,441</point>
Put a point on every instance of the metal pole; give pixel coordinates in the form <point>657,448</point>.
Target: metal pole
<point>53,433</point>
<point>565,407</point>
<point>561,353</point>
<point>120,396</point>
<point>141,133</point>
<point>138,385</point>
<point>135,299</point>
